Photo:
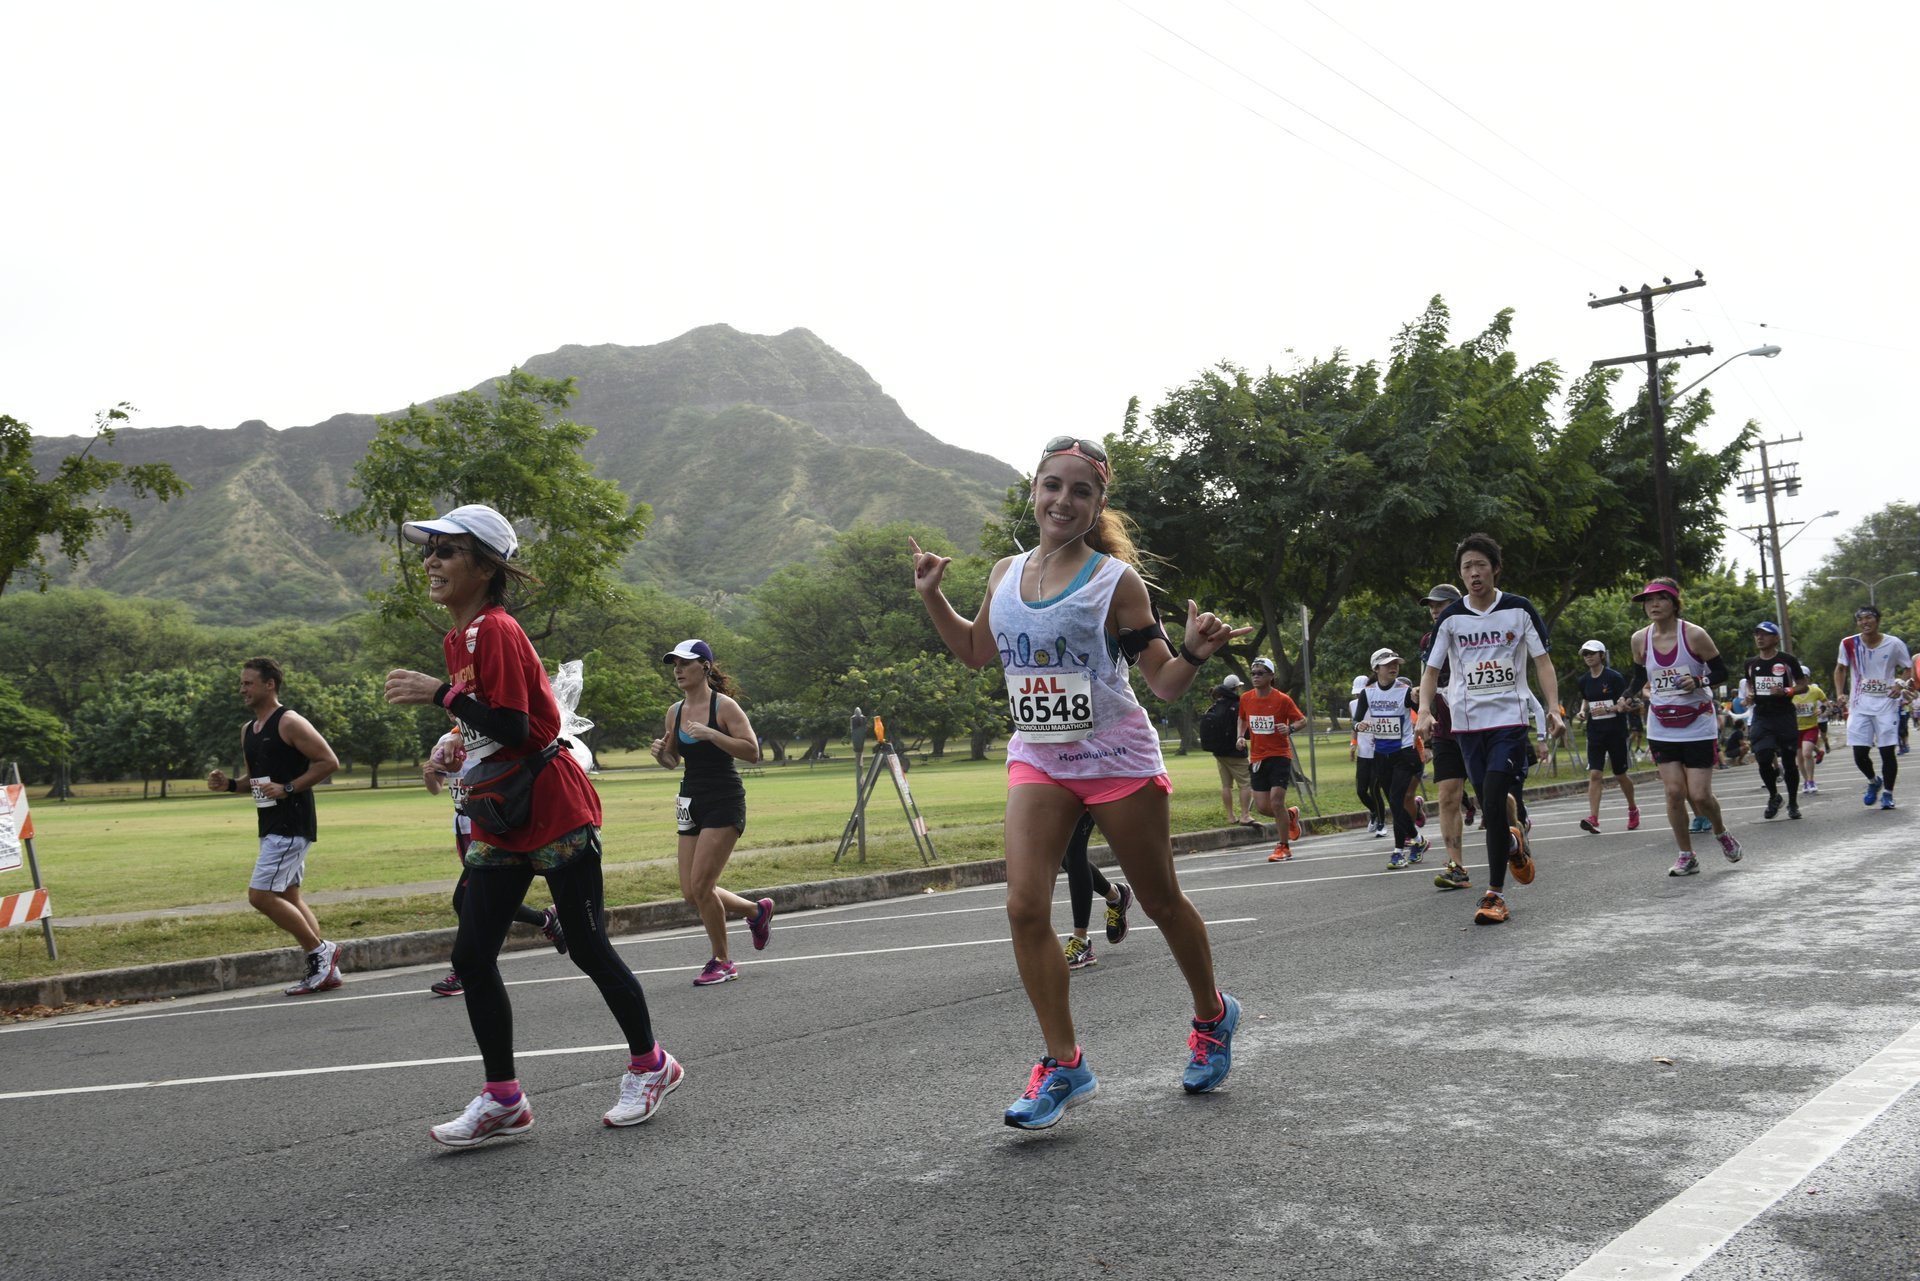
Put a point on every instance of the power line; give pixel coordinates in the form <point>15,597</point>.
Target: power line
<point>1358,142</point>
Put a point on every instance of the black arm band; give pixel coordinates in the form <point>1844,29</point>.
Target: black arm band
<point>1133,643</point>
<point>1717,670</point>
<point>1636,679</point>
<point>504,726</point>
<point>233,785</point>
<point>1190,656</point>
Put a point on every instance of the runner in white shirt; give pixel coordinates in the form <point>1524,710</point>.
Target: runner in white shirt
<point>1869,678</point>
<point>1486,640</point>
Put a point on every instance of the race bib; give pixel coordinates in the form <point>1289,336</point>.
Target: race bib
<point>683,813</point>
<point>1384,727</point>
<point>260,799</point>
<point>1874,687</point>
<point>1602,711</point>
<point>1260,725</point>
<point>1493,673</point>
<point>1054,708</point>
<point>1667,681</point>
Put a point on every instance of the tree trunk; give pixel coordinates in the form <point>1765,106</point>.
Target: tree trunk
<point>62,788</point>
<point>778,746</point>
<point>938,743</point>
<point>817,747</point>
<point>373,779</point>
<point>1183,725</point>
<point>980,741</point>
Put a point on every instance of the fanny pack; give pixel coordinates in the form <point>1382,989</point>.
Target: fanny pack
<point>499,794</point>
<point>1674,717</point>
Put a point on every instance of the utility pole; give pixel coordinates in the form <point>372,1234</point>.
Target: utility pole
<point>1656,412</point>
<point>1788,482</point>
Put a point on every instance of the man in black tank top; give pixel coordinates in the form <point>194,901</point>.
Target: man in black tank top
<point>285,756</point>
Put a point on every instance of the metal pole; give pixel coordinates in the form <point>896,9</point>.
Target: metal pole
<point>1662,480</point>
<point>857,724</point>
<point>1773,536</point>
<point>1306,663</point>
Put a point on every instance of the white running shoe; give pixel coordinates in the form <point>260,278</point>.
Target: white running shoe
<point>641,1092</point>
<point>323,971</point>
<point>485,1118</point>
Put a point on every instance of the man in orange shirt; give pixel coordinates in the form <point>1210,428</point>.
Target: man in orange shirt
<point>1268,719</point>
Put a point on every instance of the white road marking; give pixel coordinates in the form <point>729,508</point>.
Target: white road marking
<point>1679,1236</point>
<point>413,994</point>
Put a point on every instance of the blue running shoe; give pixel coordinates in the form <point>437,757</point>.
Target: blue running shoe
<point>1212,1046</point>
<point>1873,793</point>
<point>1706,825</point>
<point>1051,1090</point>
<point>1886,799</point>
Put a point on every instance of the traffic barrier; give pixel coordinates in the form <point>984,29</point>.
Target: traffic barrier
<point>18,909</point>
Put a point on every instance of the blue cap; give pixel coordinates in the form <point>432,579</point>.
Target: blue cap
<point>1771,629</point>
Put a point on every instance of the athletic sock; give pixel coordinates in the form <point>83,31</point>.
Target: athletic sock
<point>652,1061</point>
<point>1078,1055</point>
<point>1207,1025</point>
<point>505,1092</point>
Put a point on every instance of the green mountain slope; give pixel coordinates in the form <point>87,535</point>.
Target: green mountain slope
<point>752,450</point>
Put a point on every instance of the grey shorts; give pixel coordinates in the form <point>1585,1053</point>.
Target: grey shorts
<point>1233,770</point>
<point>282,864</point>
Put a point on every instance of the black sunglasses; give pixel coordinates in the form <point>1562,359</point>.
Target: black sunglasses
<point>1062,444</point>
<point>442,550</point>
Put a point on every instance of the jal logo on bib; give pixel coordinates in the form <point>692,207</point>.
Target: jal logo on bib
<point>1055,708</point>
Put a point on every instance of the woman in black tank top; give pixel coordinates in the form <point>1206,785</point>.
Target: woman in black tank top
<point>708,731</point>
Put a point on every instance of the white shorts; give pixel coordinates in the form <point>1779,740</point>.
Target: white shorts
<point>1873,729</point>
<point>282,864</point>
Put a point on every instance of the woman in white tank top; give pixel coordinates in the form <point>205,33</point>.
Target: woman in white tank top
<point>1675,662</point>
<point>1065,620</point>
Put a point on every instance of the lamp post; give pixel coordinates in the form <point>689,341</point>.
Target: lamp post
<point>1769,351</point>
<point>1871,586</point>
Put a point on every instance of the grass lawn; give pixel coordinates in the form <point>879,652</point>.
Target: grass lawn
<point>110,855</point>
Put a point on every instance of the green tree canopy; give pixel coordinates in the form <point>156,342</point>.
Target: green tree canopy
<point>63,508</point>
<point>517,452</point>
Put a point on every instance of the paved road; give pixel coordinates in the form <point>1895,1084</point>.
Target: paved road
<point>1412,1096</point>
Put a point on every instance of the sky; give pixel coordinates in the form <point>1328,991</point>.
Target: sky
<point>1015,216</point>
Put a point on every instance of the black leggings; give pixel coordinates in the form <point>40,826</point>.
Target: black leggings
<point>523,914</point>
<point>1863,757</point>
<point>1494,791</point>
<point>1396,773</point>
<point>1083,878</point>
<point>1771,769</point>
<point>492,895</point>
<point>1366,784</point>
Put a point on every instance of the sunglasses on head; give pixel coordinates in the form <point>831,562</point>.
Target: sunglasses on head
<point>1093,449</point>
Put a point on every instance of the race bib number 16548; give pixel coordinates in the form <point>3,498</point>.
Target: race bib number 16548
<point>1055,708</point>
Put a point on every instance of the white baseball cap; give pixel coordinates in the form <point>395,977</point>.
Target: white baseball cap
<point>1262,662</point>
<point>1383,655</point>
<point>1593,647</point>
<point>486,525</point>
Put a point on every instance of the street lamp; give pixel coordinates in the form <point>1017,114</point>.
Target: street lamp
<point>1848,578</point>
<point>1803,529</point>
<point>1769,351</point>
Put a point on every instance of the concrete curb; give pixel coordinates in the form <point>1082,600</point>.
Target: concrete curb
<point>427,947</point>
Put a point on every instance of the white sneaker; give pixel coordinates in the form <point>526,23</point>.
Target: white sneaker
<point>641,1092</point>
<point>323,971</point>
<point>485,1118</point>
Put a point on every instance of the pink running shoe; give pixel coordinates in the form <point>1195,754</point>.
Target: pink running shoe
<point>1633,819</point>
<point>716,971</point>
<point>1419,811</point>
<point>760,925</point>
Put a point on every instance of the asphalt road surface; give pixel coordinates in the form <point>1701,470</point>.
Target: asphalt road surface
<point>1637,1076</point>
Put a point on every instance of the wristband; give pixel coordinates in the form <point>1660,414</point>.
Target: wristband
<point>233,785</point>
<point>1190,656</point>
<point>287,788</point>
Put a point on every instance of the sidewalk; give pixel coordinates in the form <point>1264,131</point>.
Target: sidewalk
<point>427,947</point>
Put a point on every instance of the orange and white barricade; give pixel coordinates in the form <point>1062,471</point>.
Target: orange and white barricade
<point>18,909</point>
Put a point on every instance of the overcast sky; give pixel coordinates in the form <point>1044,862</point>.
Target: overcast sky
<point>1014,215</point>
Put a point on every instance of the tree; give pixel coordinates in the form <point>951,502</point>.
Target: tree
<point>64,646</point>
<point>366,728</point>
<point>825,631</point>
<point>166,724</point>
<point>28,734</point>
<point>516,452</point>
<point>62,507</point>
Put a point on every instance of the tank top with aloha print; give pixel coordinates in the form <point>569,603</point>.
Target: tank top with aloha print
<point>1677,715</point>
<point>1068,693</point>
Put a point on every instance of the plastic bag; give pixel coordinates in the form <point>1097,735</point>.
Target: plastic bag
<point>567,683</point>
